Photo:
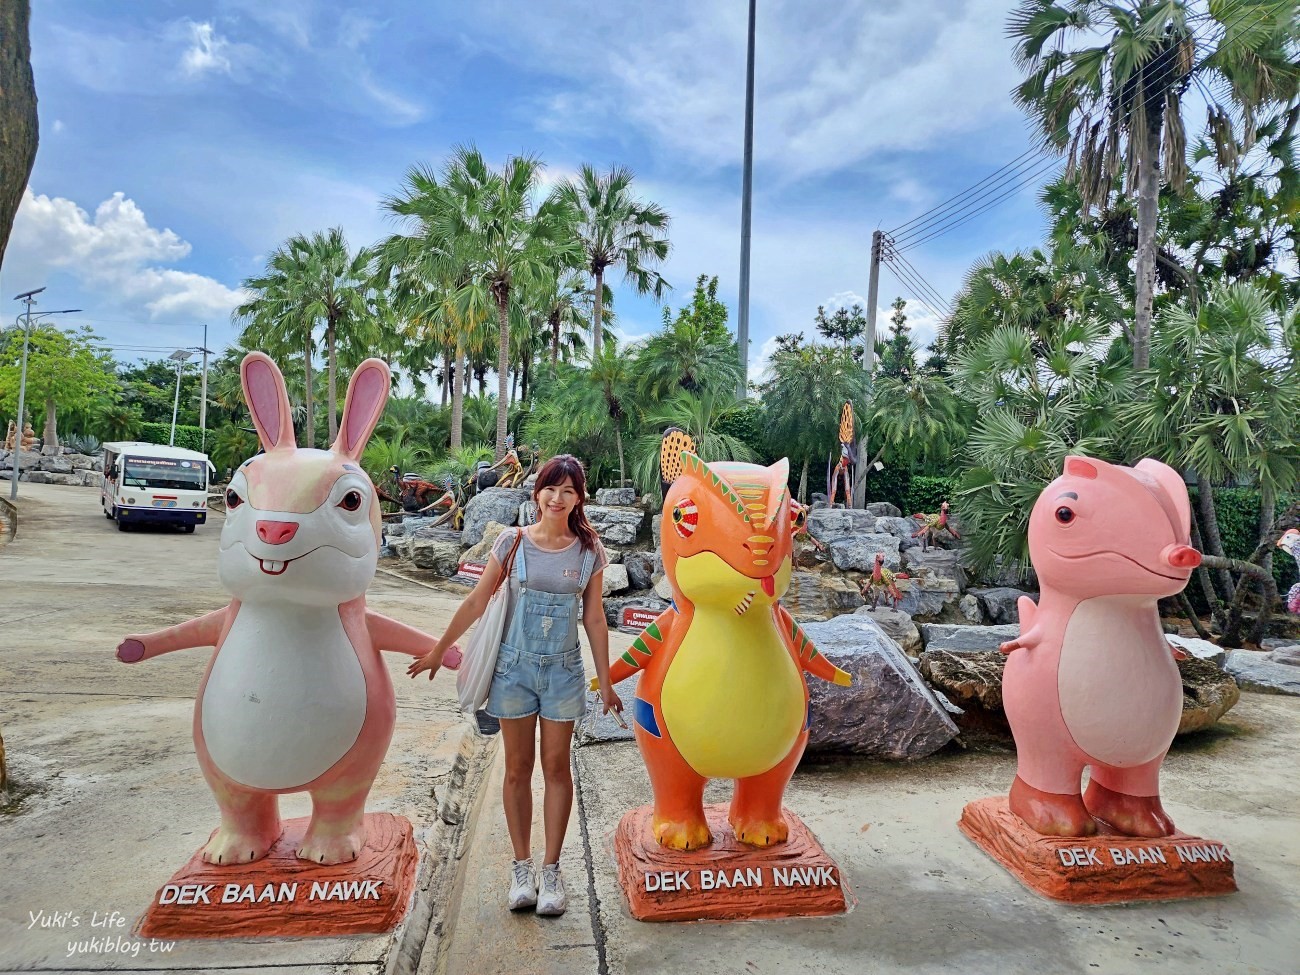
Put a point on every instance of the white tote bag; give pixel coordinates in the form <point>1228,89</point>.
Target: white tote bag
<point>474,677</point>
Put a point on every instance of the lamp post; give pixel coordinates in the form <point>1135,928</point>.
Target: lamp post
<point>179,357</point>
<point>29,299</point>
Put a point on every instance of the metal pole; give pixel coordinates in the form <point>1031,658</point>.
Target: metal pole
<point>22,396</point>
<point>203,396</point>
<point>746,198</point>
<point>171,442</point>
<point>869,364</point>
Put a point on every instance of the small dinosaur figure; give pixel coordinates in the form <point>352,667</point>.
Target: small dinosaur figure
<point>931,525</point>
<point>1290,544</point>
<point>882,584</point>
<point>722,692</point>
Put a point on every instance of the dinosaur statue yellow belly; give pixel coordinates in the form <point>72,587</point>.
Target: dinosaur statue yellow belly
<point>733,699</point>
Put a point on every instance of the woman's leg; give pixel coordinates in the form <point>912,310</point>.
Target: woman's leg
<point>519,738</point>
<point>557,771</point>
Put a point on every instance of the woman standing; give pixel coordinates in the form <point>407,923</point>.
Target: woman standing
<point>554,580</point>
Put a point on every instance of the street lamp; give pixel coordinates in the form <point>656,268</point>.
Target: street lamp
<point>179,357</point>
<point>29,299</point>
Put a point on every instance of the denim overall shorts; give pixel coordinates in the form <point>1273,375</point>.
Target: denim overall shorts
<point>539,667</point>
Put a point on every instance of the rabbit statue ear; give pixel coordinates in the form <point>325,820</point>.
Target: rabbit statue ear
<point>268,401</point>
<point>367,396</point>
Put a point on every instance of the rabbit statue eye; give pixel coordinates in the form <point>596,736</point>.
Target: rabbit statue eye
<point>233,500</point>
<point>351,501</point>
<point>1064,515</point>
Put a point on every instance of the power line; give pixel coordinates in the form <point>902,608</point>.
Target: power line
<point>934,292</point>
<point>918,291</point>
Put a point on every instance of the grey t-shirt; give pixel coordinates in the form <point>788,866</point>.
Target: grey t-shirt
<point>558,572</point>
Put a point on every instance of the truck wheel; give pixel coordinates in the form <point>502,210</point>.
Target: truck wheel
<point>187,529</point>
<point>121,526</point>
<point>108,514</point>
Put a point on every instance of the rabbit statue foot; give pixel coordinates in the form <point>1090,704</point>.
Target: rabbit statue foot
<point>1051,813</point>
<point>1130,815</point>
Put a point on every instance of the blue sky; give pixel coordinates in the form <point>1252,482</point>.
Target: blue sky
<point>182,142</point>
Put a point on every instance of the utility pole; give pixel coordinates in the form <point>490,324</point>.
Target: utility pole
<point>869,364</point>
<point>29,299</point>
<point>746,197</point>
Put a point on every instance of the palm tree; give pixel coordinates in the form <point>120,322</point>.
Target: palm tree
<point>615,229</point>
<point>1116,107</point>
<point>703,416</point>
<point>685,356</point>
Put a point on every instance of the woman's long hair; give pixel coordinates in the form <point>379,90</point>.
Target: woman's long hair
<point>556,471</point>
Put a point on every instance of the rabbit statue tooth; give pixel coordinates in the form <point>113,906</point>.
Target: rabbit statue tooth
<point>296,697</point>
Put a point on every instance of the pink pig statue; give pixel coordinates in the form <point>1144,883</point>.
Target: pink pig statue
<point>1091,680</point>
<point>296,697</point>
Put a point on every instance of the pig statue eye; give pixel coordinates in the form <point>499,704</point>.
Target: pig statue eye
<point>1064,515</point>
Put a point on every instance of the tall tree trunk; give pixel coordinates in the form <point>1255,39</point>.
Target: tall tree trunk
<point>50,438</point>
<point>308,399</point>
<point>524,369</point>
<point>331,392</point>
<point>618,441</point>
<point>598,312</point>
<point>514,384</point>
<point>803,481</point>
<point>555,336</point>
<point>19,126</point>
<point>458,397</point>
<point>503,368</point>
<point>1210,533</point>
<point>446,377</point>
<point>1267,519</point>
<point>1148,198</point>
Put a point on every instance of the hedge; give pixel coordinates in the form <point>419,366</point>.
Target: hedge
<point>910,493</point>
<point>191,438</point>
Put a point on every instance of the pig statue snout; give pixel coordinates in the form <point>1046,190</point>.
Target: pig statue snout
<point>1181,557</point>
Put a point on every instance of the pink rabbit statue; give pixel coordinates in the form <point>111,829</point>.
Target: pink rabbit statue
<point>296,697</point>
<point>1091,680</point>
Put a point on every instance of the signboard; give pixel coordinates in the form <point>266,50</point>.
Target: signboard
<point>469,573</point>
<point>636,618</point>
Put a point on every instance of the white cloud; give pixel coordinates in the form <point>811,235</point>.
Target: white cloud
<point>115,256</point>
<point>208,52</point>
<point>58,125</point>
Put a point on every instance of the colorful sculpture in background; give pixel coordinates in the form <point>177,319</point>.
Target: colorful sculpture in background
<point>841,473</point>
<point>722,692</point>
<point>1091,681</point>
<point>882,584</point>
<point>508,472</point>
<point>1290,544</point>
<point>675,441</point>
<point>29,439</point>
<point>296,697</point>
<point>932,526</point>
<point>454,516</point>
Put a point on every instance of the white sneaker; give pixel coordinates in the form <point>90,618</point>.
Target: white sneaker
<point>551,901</point>
<point>523,885</point>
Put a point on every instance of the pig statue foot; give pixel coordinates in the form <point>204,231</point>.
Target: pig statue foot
<point>230,845</point>
<point>1130,815</point>
<point>1051,813</point>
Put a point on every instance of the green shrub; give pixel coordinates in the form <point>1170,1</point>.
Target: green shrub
<point>191,438</point>
<point>1238,516</point>
<point>746,425</point>
<point>927,493</point>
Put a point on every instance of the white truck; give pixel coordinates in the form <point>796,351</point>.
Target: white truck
<point>147,483</point>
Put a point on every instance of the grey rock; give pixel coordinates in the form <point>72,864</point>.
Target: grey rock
<point>440,534</point>
<point>614,579</point>
<point>641,568</point>
<point>401,546</point>
<point>656,523</point>
<point>902,527</point>
<point>937,562</point>
<point>888,712</point>
<point>1268,643</point>
<point>409,525</point>
<point>818,498</point>
<point>930,598</point>
<point>27,460</point>
<point>594,727</point>
<point>83,462</point>
<point>1201,649</point>
<point>443,557</point>
<point>527,513</point>
<point>1001,604</point>
<point>663,589</point>
<point>827,524</point>
<point>616,526</point>
<point>622,497</point>
<point>90,478</point>
<point>820,596</point>
<point>882,509</point>
<point>480,552</point>
<point>647,601</point>
<point>614,555</point>
<point>969,680</point>
<point>493,504</point>
<point>1290,656</point>
<point>971,610</point>
<point>1256,670</point>
<point>46,477</point>
<point>529,483</point>
<point>858,552</point>
<point>898,626</point>
<point>56,465</point>
<point>1208,693</point>
<point>967,639</point>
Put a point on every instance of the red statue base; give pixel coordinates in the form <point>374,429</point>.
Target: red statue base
<point>1102,869</point>
<point>282,896</point>
<point>728,880</point>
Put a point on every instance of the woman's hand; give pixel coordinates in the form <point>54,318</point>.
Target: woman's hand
<point>609,697</point>
<point>431,661</point>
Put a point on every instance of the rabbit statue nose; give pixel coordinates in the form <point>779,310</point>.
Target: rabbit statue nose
<point>276,532</point>
<point>1182,556</point>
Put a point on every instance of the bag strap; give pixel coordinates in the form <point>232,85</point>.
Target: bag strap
<point>588,563</point>
<point>509,562</point>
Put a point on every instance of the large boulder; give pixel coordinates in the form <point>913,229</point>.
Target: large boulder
<point>647,602</point>
<point>84,462</point>
<point>1263,671</point>
<point>1208,693</point>
<point>27,460</point>
<point>664,589</point>
<point>46,477</point>
<point>614,579</point>
<point>615,526</point>
<point>972,681</point>
<point>492,504</point>
<point>882,509</point>
<point>641,568</point>
<point>930,597</point>
<point>480,552</point>
<point>858,552</point>
<point>820,596</point>
<point>888,712</point>
<point>439,555</point>
<point>1201,649</point>
<point>56,465</point>
<point>407,526</point>
<point>621,497</point>
<point>898,626</point>
<point>903,528</point>
<point>90,478</point>
<point>938,562</point>
<point>967,639</point>
<point>1001,603</point>
<point>826,524</point>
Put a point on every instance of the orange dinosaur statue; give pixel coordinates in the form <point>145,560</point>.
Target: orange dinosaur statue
<point>722,692</point>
